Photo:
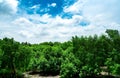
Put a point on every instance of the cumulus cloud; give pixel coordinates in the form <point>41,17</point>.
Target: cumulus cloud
<point>8,6</point>
<point>103,10</point>
<point>56,28</point>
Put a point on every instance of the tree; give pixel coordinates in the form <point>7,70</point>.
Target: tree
<point>115,38</point>
<point>113,63</point>
<point>14,57</point>
<point>112,33</point>
<point>9,49</point>
<point>47,59</point>
<point>70,66</point>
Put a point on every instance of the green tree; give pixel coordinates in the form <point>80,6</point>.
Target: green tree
<point>70,66</point>
<point>14,57</point>
<point>113,63</point>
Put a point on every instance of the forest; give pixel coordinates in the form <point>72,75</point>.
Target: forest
<point>80,57</point>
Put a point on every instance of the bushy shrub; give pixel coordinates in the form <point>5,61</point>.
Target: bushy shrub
<point>70,66</point>
<point>68,70</point>
<point>49,61</point>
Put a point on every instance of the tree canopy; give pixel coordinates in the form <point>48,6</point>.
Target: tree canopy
<point>79,57</point>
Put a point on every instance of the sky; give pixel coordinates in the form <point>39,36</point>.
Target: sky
<point>37,21</point>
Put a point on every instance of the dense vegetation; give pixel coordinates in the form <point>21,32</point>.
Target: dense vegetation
<point>78,58</point>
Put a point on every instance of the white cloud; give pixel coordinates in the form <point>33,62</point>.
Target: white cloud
<point>76,8</point>
<point>52,5</point>
<point>22,21</point>
<point>56,29</point>
<point>46,28</point>
<point>107,11</point>
<point>35,6</point>
<point>26,34</point>
<point>8,6</point>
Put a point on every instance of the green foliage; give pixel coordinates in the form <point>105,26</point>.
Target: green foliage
<point>14,57</point>
<point>116,69</point>
<point>69,67</point>
<point>112,33</point>
<point>47,59</point>
<point>6,73</point>
<point>1,54</point>
<point>68,70</point>
<point>113,63</point>
<point>23,58</point>
<point>80,57</point>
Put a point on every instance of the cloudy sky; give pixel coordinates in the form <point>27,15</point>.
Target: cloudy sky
<point>37,21</point>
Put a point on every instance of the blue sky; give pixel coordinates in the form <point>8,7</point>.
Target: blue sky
<point>37,21</point>
<point>47,6</point>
